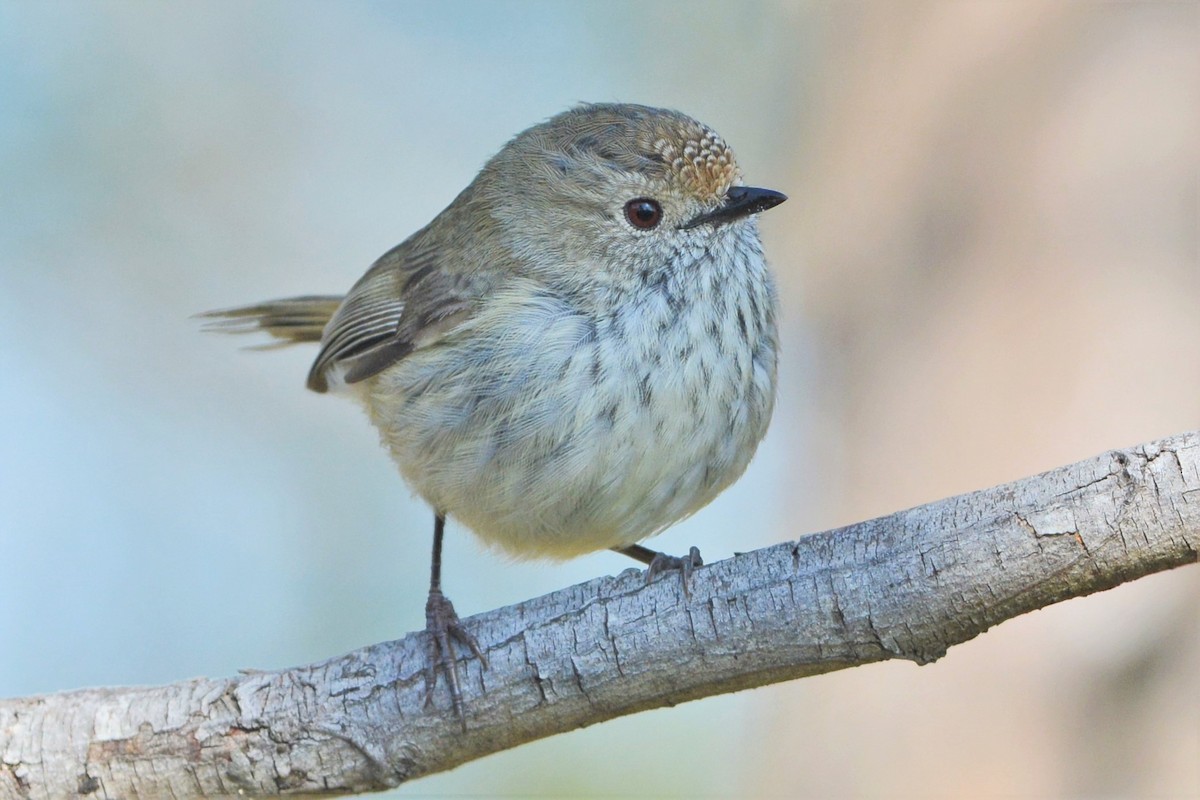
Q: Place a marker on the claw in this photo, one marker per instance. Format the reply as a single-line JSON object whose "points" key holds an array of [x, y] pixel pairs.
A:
{"points": [[442, 623], [686, 565]]}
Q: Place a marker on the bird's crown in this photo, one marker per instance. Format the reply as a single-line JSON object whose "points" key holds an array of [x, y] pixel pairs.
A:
{"points": [[658, 142]]}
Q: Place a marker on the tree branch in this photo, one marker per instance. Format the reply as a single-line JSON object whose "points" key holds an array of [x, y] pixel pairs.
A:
{"points": [[908, 586]]}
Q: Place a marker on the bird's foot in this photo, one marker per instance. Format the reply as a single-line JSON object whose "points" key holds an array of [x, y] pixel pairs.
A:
{"points": [[686, 565], [661, 562], [442, 623]]}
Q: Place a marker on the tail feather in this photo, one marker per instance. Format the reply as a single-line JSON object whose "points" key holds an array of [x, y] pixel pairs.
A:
{"points": [[291, 321]]}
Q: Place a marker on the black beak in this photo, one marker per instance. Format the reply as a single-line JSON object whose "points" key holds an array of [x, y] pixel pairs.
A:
{"points": [[740, 201]]}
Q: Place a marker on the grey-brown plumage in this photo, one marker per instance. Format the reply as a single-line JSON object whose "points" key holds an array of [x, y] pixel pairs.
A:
{"points": [[579, 351]]}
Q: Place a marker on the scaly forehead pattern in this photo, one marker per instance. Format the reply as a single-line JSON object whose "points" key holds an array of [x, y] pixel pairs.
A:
{"points": [[659, 143], [700, 159]]}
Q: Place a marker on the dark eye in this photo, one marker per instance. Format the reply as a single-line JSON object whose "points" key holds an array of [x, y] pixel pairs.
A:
{"points": [[643, 213]]}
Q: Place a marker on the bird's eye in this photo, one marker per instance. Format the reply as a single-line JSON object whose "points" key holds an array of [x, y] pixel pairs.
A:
{"points": [[643, 213]]}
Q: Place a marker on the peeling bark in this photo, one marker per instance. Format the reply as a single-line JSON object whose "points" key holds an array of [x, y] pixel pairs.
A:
{"points": [[908, 586]]}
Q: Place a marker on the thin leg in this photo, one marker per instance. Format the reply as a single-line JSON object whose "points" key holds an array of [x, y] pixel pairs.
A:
{"points": [[441, 621], [639, 553], [435, 563], [661, 562]]}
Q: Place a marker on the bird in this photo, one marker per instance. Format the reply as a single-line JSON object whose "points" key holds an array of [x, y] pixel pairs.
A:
{"points": [[576, 353]]}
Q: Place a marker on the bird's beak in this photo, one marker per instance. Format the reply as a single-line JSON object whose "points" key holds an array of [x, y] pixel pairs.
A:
{"points": [[740, 201]]}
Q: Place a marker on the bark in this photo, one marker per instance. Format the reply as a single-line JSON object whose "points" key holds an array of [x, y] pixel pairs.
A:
{"points": [[907, 586]]}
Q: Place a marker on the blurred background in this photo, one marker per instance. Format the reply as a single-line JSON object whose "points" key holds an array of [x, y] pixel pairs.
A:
{"points": [[988, 267]]}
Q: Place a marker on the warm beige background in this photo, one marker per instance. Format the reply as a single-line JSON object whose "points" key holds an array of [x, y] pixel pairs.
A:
{"points": [[998, 216], [989, 266]]}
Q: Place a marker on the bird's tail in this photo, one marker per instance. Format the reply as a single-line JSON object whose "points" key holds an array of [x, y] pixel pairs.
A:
{"points": [[291, 321]]}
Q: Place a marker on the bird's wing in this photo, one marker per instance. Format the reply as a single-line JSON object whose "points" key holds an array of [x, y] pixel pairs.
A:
{"points": [[406, 300]]}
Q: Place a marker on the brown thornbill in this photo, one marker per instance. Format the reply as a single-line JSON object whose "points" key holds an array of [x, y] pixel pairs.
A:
{"points": [[579, 351]]}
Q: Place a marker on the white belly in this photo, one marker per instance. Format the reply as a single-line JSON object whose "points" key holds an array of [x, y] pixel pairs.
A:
{"points": [[551, 432]]}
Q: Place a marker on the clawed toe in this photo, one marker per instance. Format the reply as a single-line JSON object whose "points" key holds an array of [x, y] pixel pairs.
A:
{"points": [[686, 565], [443, 625]]}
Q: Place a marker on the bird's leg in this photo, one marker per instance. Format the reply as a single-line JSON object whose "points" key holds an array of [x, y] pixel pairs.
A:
{"points": [[661, 562], [442, 623]]}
